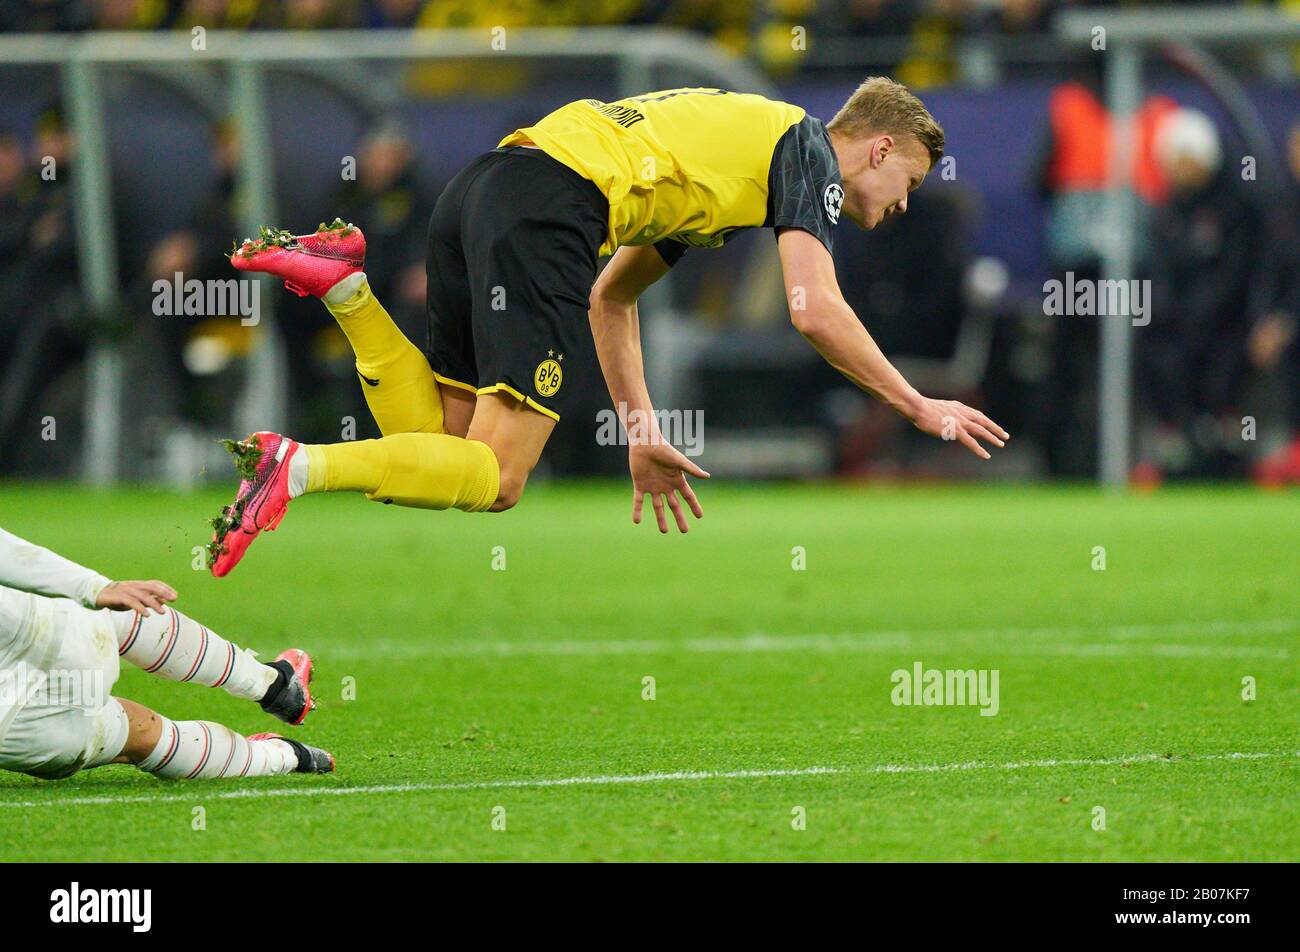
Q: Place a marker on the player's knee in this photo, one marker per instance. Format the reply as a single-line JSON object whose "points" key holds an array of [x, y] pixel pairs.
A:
{"points": [[144, 729]]}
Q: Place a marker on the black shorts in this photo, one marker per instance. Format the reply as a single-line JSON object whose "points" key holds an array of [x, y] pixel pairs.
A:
{"points": [[513, 246]]}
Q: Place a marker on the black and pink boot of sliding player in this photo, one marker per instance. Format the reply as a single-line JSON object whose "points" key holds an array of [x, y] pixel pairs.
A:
{"points": [[310, 759], [289, 698]]}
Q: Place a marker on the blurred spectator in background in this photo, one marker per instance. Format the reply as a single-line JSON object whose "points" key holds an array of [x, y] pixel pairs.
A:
{"points": [[1021, 16], [389, 14], [196, 351], [1192, 357], [52, 239], [44, 16], [867, 18], [128, 14], [1073, 175], [38, 336], [17, 209], [385, 198], [17, 203], [929, 60], [728, 22], [1274, 344], [215, 14], [315, 14]]}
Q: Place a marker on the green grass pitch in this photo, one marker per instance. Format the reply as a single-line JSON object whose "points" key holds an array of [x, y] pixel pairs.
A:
{"points": [[516, 695]]}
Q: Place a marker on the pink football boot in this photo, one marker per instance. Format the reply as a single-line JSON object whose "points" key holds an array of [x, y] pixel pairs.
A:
{"points": [[309, 264], [263, 464]]}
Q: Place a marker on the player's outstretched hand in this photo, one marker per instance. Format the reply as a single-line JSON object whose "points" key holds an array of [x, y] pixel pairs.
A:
{"points": [[950, 420], [659, 471], [136, 596]]}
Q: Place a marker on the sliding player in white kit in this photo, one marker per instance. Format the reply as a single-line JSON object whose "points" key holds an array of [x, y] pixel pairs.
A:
{"points": [[59, 660]]}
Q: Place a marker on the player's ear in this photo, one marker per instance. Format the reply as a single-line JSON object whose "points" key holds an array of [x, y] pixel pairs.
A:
{"points": [[880, 148]]}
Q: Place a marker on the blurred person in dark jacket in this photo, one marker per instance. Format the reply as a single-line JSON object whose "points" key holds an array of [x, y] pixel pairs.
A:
{"points": [[52, 241], [1193, 357], [196, 251], [1274, 343], [39, 281], [386, 196], [17, 207]]}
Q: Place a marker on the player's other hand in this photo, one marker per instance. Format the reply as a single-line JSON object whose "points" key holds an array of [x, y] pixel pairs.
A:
{"points": [[136, 596], [950, 420], [659, 471]]}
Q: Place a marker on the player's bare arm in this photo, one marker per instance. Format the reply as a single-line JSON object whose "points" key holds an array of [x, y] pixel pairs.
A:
{"points": [[820, 313], [658, 470]]}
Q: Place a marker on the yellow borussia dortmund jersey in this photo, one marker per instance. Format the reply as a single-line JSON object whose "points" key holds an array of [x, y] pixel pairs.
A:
{"points": [[688, 167]]}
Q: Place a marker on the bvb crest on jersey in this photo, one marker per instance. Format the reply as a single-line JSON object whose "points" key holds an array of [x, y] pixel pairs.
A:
{"points": [[548, 376]]}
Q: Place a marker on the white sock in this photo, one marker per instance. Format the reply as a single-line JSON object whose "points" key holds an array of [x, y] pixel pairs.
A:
{"points": [[344, 289], [177, 648], [298, 471], [202, 750]]}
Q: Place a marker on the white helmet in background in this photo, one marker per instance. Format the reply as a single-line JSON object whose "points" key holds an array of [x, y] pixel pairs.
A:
{"points": [[1187, 147]]}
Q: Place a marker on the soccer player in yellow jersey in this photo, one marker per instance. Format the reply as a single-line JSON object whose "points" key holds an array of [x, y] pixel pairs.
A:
{"points": [[514, 243]]}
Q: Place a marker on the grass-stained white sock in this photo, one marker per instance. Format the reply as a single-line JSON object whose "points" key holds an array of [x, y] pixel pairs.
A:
{"points": [[176, 647], [202, 750]]}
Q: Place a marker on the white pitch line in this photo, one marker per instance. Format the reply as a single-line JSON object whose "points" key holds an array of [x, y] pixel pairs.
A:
{"points": [[257, 793], [1065, 762], [1008, 640]]}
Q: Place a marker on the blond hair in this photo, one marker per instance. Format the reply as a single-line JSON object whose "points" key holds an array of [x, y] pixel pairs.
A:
{"points": [[881, 105]]}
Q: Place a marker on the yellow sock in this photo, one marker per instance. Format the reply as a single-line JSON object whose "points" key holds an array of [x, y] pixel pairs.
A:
{"points": [[400, 388], [423, 470]]}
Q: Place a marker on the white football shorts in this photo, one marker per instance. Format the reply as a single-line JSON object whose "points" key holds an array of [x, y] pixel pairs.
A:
{"points": [[57, 713]]}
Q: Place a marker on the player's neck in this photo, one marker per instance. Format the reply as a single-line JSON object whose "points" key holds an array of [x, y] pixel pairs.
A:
{"points": [[849, 152]]}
